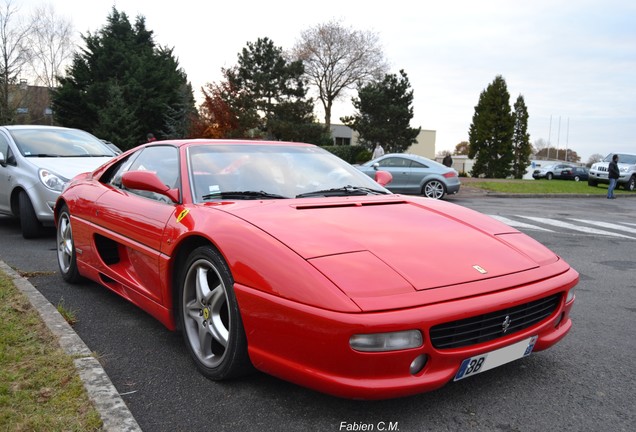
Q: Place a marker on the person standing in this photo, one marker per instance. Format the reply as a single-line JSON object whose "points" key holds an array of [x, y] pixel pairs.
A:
{"points": [[613, 175], [448, 160], [377, 151]]}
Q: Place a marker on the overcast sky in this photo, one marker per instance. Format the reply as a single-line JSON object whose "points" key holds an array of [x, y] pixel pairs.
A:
{"points": [[574, 62]]}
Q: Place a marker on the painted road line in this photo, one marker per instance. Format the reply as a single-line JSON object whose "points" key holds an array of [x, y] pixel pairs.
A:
{"points": [[607, 225], [567, 225], [517, 224]]}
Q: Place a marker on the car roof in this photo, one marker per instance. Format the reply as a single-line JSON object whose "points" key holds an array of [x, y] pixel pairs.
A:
{"points": [[414, 157], [209, 141], [43, 127]]}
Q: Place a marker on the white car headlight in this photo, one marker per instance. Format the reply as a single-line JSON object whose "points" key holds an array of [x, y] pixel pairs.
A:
{"points": [[52, 180], [393, 341]]}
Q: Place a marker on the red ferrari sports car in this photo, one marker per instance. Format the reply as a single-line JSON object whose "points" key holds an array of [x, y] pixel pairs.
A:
{"points": [[282, 257]]}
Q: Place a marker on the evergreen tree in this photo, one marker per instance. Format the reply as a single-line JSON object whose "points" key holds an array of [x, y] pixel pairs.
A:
{"points": [[121, 61], [116, 120], [267, 94], [521, 147], [384, 114], [490, 134]]}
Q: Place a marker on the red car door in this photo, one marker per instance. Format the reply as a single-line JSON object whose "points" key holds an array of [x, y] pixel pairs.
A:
{"points": [[136, 220]]}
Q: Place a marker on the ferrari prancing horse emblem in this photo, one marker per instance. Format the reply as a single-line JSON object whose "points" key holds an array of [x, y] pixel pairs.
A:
{"points": [[480, 269]]}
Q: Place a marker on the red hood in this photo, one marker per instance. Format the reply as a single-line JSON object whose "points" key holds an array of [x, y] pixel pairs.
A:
{"points": [[419, 239]]}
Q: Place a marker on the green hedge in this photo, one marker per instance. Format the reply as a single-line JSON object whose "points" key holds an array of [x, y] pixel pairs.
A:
{"points": [[349, 153]]}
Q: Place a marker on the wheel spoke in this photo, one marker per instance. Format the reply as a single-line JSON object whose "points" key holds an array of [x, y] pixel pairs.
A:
{"points": [[67, 238], [65, 243], [205, 310], [193, 309], [218, 303], [205, 342], [202, 286]]}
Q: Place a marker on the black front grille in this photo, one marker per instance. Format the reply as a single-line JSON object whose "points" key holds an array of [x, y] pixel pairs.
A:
{"points": [[491, 326]]}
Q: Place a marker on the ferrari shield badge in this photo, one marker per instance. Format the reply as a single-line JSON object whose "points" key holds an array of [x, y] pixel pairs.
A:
{"points": [[183, 214]]}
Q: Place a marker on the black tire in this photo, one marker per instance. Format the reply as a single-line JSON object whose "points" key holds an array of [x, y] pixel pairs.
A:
{"points": [[592, 183], [434, 189], [31, 226], [577, 178], [66, 255], [209, 316], [549, 176], [631, 184]]}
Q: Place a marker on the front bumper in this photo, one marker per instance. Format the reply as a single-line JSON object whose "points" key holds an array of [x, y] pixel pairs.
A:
{"points": [[601, 177], [43, 201], [310, 346]]}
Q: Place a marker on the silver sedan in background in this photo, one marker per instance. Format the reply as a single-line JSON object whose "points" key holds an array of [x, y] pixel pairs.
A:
{"points": [[414, 175], [36, 162]]}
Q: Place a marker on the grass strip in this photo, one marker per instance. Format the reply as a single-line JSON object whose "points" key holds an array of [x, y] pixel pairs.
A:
{"points": [[40, 388]]}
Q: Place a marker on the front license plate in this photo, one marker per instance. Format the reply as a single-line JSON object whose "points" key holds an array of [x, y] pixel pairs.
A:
{"points": [[483, 362]]}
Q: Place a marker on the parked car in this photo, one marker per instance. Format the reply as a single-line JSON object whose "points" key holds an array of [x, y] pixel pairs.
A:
{"points": [[626, 165], [284, 258], [415, 175], [552, 171], [575, 173], [112, 146], [35, 163]]}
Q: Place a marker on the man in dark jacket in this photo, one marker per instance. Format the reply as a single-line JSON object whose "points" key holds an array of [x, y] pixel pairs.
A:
{"points": [[613, 175]]}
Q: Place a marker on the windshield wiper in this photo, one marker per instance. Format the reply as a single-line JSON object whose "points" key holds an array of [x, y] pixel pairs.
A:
{"points": [[42, 155], [242, 195], [342, 191]]}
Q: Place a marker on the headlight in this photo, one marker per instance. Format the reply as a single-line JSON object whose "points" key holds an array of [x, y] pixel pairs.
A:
{"points": [[386, 341], [570, 295], [52, 180]]}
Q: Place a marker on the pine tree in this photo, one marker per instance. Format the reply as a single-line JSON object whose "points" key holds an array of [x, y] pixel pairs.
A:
{"points": [[384, 114], [521, 147], [122, 61], [491, 132], [268, 95]]}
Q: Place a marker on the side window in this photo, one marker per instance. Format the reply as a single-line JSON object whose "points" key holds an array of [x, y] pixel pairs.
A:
{"points": [[6, 151], [113, 176], [417, 165], [163, 160], [4, 146], [394, 163]]}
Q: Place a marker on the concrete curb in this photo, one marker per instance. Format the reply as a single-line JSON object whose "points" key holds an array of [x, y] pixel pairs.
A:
{"points": [[111, 407]]}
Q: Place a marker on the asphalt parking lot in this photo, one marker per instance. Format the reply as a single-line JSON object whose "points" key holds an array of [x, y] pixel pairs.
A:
{"points": [[583, 383]]}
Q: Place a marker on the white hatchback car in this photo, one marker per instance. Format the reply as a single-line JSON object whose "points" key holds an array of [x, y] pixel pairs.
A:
{"points": [[36, 162]]}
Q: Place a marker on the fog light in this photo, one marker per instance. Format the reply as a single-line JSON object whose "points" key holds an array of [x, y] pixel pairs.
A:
{"points": [[570, 296], [418, 364], [558, 321], [393, 341]]}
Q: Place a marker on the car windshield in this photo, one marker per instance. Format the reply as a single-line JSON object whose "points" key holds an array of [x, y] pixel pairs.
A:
{"points": [[58, 143], [622, 158], [271, 171]]}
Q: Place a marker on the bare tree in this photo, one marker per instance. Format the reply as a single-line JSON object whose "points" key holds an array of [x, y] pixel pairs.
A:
{"points": [[51, 43], [13, 54], [596, 157], [539, 145], [461, 148], [337, 58]]}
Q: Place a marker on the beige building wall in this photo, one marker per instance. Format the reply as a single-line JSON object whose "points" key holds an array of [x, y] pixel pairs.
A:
{"points": [[425, 145]]}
